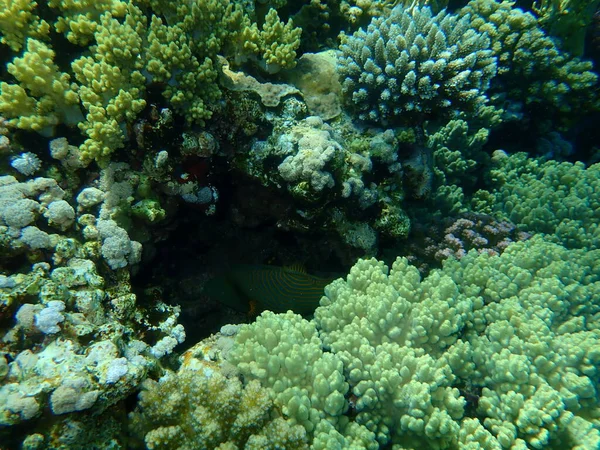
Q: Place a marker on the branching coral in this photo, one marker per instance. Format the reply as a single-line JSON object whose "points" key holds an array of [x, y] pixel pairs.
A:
{"points": [[131, 45], [567, 20], [411, 65], [531, 69], [79, 19], [18, 21], [43, 97], [198, 407]]}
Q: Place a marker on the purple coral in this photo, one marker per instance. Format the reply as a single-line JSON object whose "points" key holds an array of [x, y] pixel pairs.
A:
{"points": [[457, 235]]}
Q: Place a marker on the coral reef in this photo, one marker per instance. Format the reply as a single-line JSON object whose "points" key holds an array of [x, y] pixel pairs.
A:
{"points": [[155, 152]]}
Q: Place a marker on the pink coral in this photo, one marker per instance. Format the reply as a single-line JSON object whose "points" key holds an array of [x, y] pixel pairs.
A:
{"points": [[457, 235]]}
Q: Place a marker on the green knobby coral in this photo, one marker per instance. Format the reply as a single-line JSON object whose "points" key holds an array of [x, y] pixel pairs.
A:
{"points": [[283, 352], [561, 200], [489, 352], [412, 65]]}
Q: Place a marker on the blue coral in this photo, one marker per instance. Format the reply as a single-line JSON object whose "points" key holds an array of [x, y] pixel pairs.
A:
{"points": [[412, 65]]}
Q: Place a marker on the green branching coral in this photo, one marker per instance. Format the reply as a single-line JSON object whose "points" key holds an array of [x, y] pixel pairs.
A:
{"points": [[278, 43], [411, 65], [567, 20], [531, 69], [458, 157]]}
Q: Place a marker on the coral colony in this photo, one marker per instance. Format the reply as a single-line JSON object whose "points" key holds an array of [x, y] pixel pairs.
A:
{"points": [[307, 224]]}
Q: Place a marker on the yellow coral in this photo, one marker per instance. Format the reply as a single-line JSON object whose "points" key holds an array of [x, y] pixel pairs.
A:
{"points": [[112, 87], [171, 55], [198, 407], [81, 18], [181, 53], [274, 47], [279, 42], [104, 135], [43, 97], [18, 22]]}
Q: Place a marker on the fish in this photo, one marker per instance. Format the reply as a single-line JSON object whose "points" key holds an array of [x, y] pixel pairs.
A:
{"points": [[255, 288]]}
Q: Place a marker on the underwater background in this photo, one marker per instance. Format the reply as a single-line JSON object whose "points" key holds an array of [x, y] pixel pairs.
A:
{"points": [[307, 224]]}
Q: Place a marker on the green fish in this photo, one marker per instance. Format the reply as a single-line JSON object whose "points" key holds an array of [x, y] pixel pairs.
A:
{"points": [[252, 289]]}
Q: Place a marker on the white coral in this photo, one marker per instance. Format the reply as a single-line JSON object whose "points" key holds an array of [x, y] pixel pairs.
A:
{"points": [[26, 163]]}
